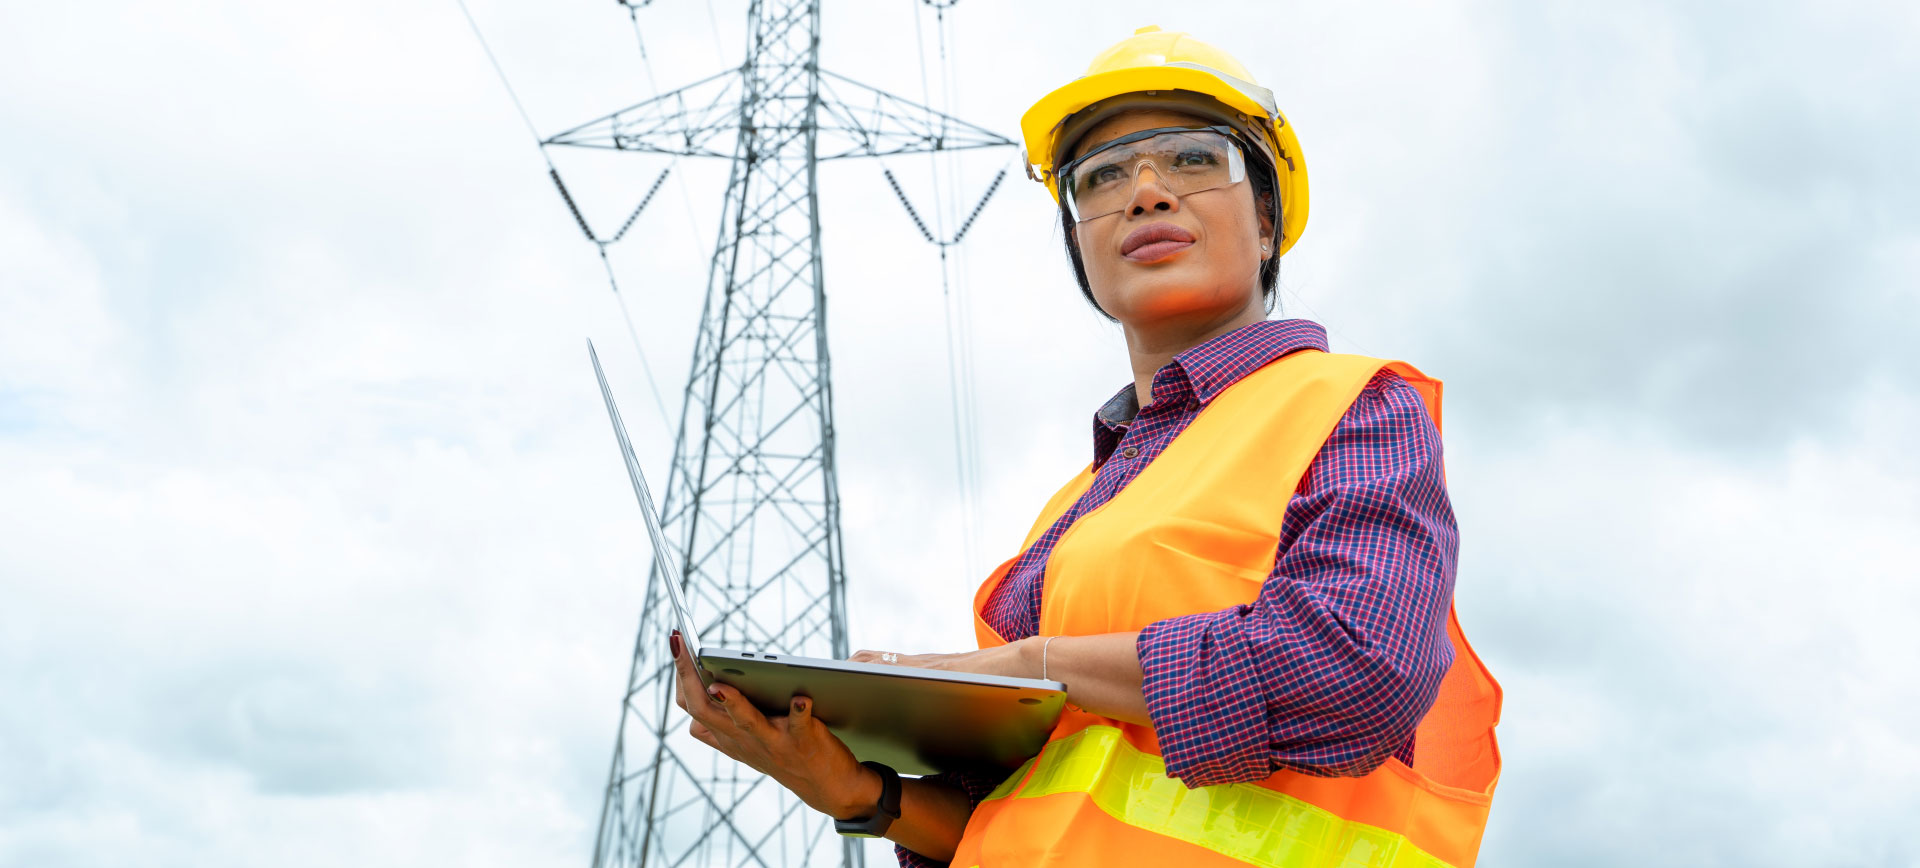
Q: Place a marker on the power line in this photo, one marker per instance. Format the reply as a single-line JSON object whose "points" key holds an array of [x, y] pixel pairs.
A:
{"points": [[752, 494], [553, 172], [653, 83], [957, 319], [502, 73]]}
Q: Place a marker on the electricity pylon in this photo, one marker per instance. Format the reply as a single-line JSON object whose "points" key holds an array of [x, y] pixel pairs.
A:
{"points": [[751, 497]]}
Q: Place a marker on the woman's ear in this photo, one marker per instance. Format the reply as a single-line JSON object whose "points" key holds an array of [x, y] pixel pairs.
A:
{"points": [[1266, 210]]}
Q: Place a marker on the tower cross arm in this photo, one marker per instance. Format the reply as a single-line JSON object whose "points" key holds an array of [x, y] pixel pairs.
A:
{"points": [[853, 119], [698, 120], [859, 120]]}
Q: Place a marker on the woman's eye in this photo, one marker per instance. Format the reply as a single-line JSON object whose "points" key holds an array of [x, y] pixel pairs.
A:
{"points": [[1195, 158], [1100, 176]]}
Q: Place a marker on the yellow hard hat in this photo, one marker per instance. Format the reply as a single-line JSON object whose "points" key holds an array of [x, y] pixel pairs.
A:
{"points": [[1153, 66]]}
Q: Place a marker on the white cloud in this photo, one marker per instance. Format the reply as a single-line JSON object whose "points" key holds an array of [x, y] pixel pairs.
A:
{"points": [[313, 549], [1693, 643], [56, 335]]}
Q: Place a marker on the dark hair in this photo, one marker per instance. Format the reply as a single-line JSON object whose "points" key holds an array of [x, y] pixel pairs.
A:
{"points": [[1260, 174]]}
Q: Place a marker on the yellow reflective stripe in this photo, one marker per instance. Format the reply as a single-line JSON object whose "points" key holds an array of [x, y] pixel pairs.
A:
{"points": [[1013, 780], [1246, 822]]}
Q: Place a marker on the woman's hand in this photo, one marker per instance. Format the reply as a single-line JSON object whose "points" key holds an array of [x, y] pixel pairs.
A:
{"points": [[1015, 660], [794, 749]]}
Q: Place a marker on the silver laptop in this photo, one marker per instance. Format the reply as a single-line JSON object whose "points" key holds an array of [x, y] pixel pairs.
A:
{"points": [[919, 721]]}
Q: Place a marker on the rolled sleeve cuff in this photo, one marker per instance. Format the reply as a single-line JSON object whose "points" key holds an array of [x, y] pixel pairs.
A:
{"points": [[1205, 699]]}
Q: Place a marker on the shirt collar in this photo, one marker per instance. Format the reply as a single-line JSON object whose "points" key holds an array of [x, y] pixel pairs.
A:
{"points": [[1223, 360], [1209, 367], [1119, 410]]}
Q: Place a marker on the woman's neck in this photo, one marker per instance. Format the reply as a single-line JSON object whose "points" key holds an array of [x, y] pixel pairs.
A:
{"points": [[1151, 346]]}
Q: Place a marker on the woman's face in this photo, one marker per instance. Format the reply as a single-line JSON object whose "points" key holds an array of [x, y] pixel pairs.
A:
{"points": [[1215, 275]]}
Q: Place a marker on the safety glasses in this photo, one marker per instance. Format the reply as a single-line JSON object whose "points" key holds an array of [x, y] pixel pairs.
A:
{"points": [[1185, 160]]}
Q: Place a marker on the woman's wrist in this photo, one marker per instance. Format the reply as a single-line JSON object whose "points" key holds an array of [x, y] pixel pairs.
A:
{"points": [[1032, 652], [859, 796]]}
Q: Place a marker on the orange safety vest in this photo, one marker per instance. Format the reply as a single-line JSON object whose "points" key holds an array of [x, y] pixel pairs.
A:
{"points": [[1196, 532]]}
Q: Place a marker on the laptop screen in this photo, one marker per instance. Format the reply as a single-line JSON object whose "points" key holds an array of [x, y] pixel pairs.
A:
{"points": [[662, 551]]}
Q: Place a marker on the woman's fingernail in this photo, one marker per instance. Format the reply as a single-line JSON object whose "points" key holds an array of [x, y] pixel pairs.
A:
{"points": [[673, 642], [715, 693], [800, 705]]}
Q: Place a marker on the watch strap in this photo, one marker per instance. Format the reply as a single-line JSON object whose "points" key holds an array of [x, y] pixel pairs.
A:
{"points": [[885, 811]]}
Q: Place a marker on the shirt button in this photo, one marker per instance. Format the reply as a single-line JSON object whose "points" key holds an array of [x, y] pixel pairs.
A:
{"points": [[1129, 452]]}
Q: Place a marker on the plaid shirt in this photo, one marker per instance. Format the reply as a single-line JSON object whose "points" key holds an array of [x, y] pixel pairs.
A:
{"points": [[1331, 668]]}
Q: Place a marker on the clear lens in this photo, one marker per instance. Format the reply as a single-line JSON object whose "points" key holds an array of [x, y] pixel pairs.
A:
{"points": [[1184, 161]]}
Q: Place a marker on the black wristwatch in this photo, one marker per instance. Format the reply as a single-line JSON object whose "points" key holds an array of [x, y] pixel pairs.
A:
{"points": [[887, 811]]}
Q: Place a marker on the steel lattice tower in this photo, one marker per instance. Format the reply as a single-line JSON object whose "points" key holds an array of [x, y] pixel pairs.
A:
{"points": [[751, 497]]}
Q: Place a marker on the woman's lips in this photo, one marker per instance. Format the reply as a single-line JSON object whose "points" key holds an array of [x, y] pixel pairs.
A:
{"points": [[1155, 241], [1157, 250]]}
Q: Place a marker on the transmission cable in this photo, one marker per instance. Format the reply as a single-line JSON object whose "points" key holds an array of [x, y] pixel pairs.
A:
{"points": [[964, 299], [956, 320], [646, 65], [553, 172]]}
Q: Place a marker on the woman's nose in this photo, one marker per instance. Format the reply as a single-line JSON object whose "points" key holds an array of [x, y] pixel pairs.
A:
{"points": [[1150, 192]]}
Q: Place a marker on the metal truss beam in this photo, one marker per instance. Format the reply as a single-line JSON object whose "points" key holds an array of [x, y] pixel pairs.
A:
{"points": [[752, 497]]}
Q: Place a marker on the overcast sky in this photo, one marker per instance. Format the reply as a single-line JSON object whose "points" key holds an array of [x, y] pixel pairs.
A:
{"points": [[314, 549]]}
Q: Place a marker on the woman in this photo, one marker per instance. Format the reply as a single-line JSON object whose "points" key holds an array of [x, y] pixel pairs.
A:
{"points": [[1248, 593]]}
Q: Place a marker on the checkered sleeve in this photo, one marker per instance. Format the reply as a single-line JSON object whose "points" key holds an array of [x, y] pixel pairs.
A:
{"points": [[975, 784], [1329, 671]]}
